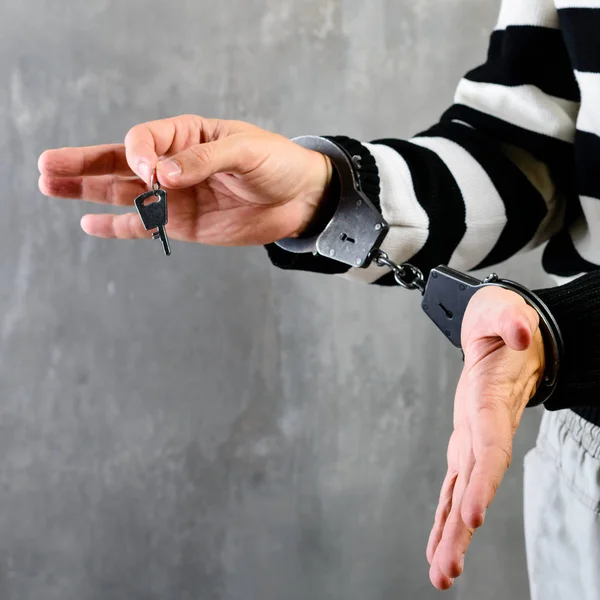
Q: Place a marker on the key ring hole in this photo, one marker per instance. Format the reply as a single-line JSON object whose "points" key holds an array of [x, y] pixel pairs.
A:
{"points": [[155, 199]]}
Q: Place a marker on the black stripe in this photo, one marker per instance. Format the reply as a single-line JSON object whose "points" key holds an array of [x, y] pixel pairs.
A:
{"points": [[587, 163], [314, 263], [441, 198], [558, 155], [580, 28], [561, 258], [524, 205], [521, 55]]}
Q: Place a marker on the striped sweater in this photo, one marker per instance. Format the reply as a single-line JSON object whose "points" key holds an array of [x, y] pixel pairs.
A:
{"points": [[513, 164]]}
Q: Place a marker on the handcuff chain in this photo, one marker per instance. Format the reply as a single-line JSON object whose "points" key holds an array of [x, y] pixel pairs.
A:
{"points": [[406, 275]]}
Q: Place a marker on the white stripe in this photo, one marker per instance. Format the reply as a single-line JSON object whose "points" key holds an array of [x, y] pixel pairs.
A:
{"points": [[577, 3], [525, 106], [527, 12], [539, 176], [589, 115], [408, 221], [485, 212], [551, 224], [585, 232]]}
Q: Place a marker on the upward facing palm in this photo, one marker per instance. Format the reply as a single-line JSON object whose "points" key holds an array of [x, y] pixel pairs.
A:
{"points": [[504, 362]]}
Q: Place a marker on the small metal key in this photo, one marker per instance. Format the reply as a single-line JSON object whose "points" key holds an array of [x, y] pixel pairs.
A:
{"points": [[154, 213]]}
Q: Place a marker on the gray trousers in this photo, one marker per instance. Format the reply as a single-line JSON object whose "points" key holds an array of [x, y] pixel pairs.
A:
{"points": [[562, 509]]}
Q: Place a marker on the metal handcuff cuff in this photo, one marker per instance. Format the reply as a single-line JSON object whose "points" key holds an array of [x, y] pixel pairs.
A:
{"points": [[354, 236]]}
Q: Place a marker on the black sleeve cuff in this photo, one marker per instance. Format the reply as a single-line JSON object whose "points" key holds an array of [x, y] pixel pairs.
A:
{"points": [[368, 174], [576, 308]]}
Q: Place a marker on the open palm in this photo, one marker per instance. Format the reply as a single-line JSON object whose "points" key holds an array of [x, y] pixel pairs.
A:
{"points": [[504, 361]]}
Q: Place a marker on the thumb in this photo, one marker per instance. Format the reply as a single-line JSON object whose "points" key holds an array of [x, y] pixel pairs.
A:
{"points": [[498, 312], [146, 142], [196, 163]]}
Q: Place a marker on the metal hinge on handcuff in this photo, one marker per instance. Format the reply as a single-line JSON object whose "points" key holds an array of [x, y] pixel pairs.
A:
{"points": [[354, 237]]}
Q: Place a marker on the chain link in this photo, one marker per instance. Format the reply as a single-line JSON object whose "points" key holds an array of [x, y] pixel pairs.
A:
{"points": [[406, 275]]}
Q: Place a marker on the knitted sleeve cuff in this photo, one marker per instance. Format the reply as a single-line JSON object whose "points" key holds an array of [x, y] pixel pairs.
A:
{"points": [[576, 307]]}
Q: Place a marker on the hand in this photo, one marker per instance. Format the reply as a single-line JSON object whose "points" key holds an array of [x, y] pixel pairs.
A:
{"points": [[229, 183], [504, 362]]}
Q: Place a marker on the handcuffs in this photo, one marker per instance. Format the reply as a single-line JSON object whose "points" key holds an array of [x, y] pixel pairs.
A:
{"points": [[354, 236]]}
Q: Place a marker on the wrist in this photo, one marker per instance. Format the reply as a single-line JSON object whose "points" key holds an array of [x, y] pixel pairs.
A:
{"points": [[318, 204], [345, 214], [538, 364]]}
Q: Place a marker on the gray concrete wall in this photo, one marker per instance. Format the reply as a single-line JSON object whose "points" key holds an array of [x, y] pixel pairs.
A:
{"points": [[206, 427]]}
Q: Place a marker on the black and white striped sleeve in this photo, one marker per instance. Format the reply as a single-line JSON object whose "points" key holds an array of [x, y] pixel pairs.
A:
{"points": [[576, 249], [490, 179]]}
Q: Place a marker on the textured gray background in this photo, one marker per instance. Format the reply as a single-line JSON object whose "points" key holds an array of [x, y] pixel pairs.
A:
{"points": [[206, 427]]}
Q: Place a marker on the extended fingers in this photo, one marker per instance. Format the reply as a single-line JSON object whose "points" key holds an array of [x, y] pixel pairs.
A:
{"points": [[105, 189], [449, 556], [492, 431], [107, 159], [485, 480], [441, 514], [456, 536], [121, 227], [448, 561], [438, 578], [144, 144]]}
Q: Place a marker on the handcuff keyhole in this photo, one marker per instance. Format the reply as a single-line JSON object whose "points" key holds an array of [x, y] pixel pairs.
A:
{"points": [[345, 238], [447, 312]]}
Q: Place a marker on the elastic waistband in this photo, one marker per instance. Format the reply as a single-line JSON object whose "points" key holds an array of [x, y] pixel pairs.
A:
{"points": [[567, 423]]}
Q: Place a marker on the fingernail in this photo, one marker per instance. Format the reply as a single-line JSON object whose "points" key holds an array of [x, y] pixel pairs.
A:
{"points": [[85, 224], [483, 516], [171, 168], [462, 562], [144, 170]]}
